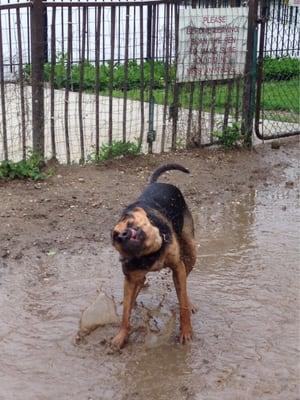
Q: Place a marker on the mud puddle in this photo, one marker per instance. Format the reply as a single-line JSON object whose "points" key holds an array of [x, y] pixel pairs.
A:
{"points": [[246, 330]]}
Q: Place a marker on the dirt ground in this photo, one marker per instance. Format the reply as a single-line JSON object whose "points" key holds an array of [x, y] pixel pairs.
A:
{"points": [[55, 254]]}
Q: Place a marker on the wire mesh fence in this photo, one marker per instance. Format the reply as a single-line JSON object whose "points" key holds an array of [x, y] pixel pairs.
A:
{"points": [[278, 91], [156, 74]]}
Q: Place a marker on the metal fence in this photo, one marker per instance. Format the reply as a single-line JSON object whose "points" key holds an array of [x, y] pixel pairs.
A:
{"points": [[277, 99], [75, 76]]}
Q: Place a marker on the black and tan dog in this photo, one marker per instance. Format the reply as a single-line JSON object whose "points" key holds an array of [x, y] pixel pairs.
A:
{"points": [[154, 232]]}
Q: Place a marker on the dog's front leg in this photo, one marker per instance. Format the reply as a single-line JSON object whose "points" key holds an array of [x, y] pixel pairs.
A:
{"points": [[179, 277], [131, 290]]}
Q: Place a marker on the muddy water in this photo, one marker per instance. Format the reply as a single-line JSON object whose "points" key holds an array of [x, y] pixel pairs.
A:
{"points": [[246, 331]]}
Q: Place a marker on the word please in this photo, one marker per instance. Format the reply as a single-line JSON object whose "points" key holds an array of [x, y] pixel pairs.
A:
{"points": [[214, 20]]}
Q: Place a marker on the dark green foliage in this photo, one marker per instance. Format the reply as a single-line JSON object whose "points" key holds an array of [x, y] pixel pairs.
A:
{"points": [[279, 69], [230, 136], [115, 150], [134, 73], [24, 169]]}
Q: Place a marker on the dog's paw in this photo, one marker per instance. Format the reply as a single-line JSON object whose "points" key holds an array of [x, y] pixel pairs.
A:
{"points": [[193, 309], [120, 339], [186, 335]]}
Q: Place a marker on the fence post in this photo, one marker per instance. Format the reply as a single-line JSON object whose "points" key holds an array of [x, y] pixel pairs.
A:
{"points": [[37, 61], [250, 75]]}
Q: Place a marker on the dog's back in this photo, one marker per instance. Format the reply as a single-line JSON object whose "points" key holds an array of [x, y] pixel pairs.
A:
{"points": [[165, 198]]}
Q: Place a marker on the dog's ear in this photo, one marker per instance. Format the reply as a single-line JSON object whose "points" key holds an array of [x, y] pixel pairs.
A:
{"points": [[153, 240]]}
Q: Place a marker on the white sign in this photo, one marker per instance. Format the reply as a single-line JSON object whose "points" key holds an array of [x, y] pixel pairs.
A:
{"points": [[294, 3], [212, 43]]}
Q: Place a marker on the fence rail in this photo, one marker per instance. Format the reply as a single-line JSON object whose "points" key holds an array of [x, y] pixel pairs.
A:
{"points": [[76, 76]]}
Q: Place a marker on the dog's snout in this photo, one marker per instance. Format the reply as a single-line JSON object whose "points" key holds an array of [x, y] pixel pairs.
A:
{"points": [[124, 235]]}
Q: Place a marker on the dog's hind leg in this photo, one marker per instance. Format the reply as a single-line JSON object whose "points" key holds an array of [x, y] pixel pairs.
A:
{"points": [[187, 243], [179, 278], [188, 252]]}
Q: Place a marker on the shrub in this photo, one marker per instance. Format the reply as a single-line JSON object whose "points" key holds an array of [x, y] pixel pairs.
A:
{"points": [[229, 136], [24, 169], [281, 68], [115, 150]]}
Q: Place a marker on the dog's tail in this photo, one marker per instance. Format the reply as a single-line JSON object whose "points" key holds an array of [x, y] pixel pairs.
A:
{"points": [[167, 167]]}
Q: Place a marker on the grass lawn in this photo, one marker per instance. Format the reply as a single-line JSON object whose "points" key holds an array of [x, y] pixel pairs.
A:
{"points": [[276, 96]]}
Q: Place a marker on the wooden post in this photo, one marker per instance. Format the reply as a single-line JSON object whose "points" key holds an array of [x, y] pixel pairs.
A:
{"points": [[250, 75], [37, 60]]}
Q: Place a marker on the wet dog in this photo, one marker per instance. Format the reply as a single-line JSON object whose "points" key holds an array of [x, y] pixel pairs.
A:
{"points": [[155, 232]]}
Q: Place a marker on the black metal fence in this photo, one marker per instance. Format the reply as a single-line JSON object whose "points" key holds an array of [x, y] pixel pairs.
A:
{"points": [[77, 76], [277, 97]]}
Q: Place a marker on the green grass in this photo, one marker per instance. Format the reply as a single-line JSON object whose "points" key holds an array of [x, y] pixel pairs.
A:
{"points": [[277, 95], [281, 95]]}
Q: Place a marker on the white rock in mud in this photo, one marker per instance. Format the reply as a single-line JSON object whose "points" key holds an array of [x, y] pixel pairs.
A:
{"points": [[101, 312]]}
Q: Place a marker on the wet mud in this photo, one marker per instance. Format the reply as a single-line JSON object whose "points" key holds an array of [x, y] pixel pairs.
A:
{"points": [[55, 258]]}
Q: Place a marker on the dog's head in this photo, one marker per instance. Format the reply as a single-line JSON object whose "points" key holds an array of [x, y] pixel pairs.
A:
{"points": [[135, 235]]}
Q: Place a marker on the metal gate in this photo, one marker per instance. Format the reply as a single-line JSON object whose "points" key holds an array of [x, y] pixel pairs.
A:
{"points": [[277, 96]]}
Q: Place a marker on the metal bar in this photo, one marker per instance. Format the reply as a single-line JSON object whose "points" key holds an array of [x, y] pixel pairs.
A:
{"points": [[2, 86], [151, 133], [295, 29], [167, 77], [16, 5], [97, 71], [149, 34], [250, 72], [237, 102], [79, 31], [21, 84], [156, 34], [81, 77], [289, 31], [37, 57], [111, 74], [227, 105], [279, 7], [45, 34], [260, 61], [67, 88], [190, 116], [9, 40], [28, 35], [87, 36], [142, 87], [107, 3], [52, 83], [125, 88], [103, 38], [199, 133], [119, 34], [62, 31], [272, 27], [176, 86], [134, 32], [212, 110]]}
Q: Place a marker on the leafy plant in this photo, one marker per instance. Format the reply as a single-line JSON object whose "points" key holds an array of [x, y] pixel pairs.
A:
{"points": [[115, 150], [24, 169], [229, 136], [283, 68]]}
